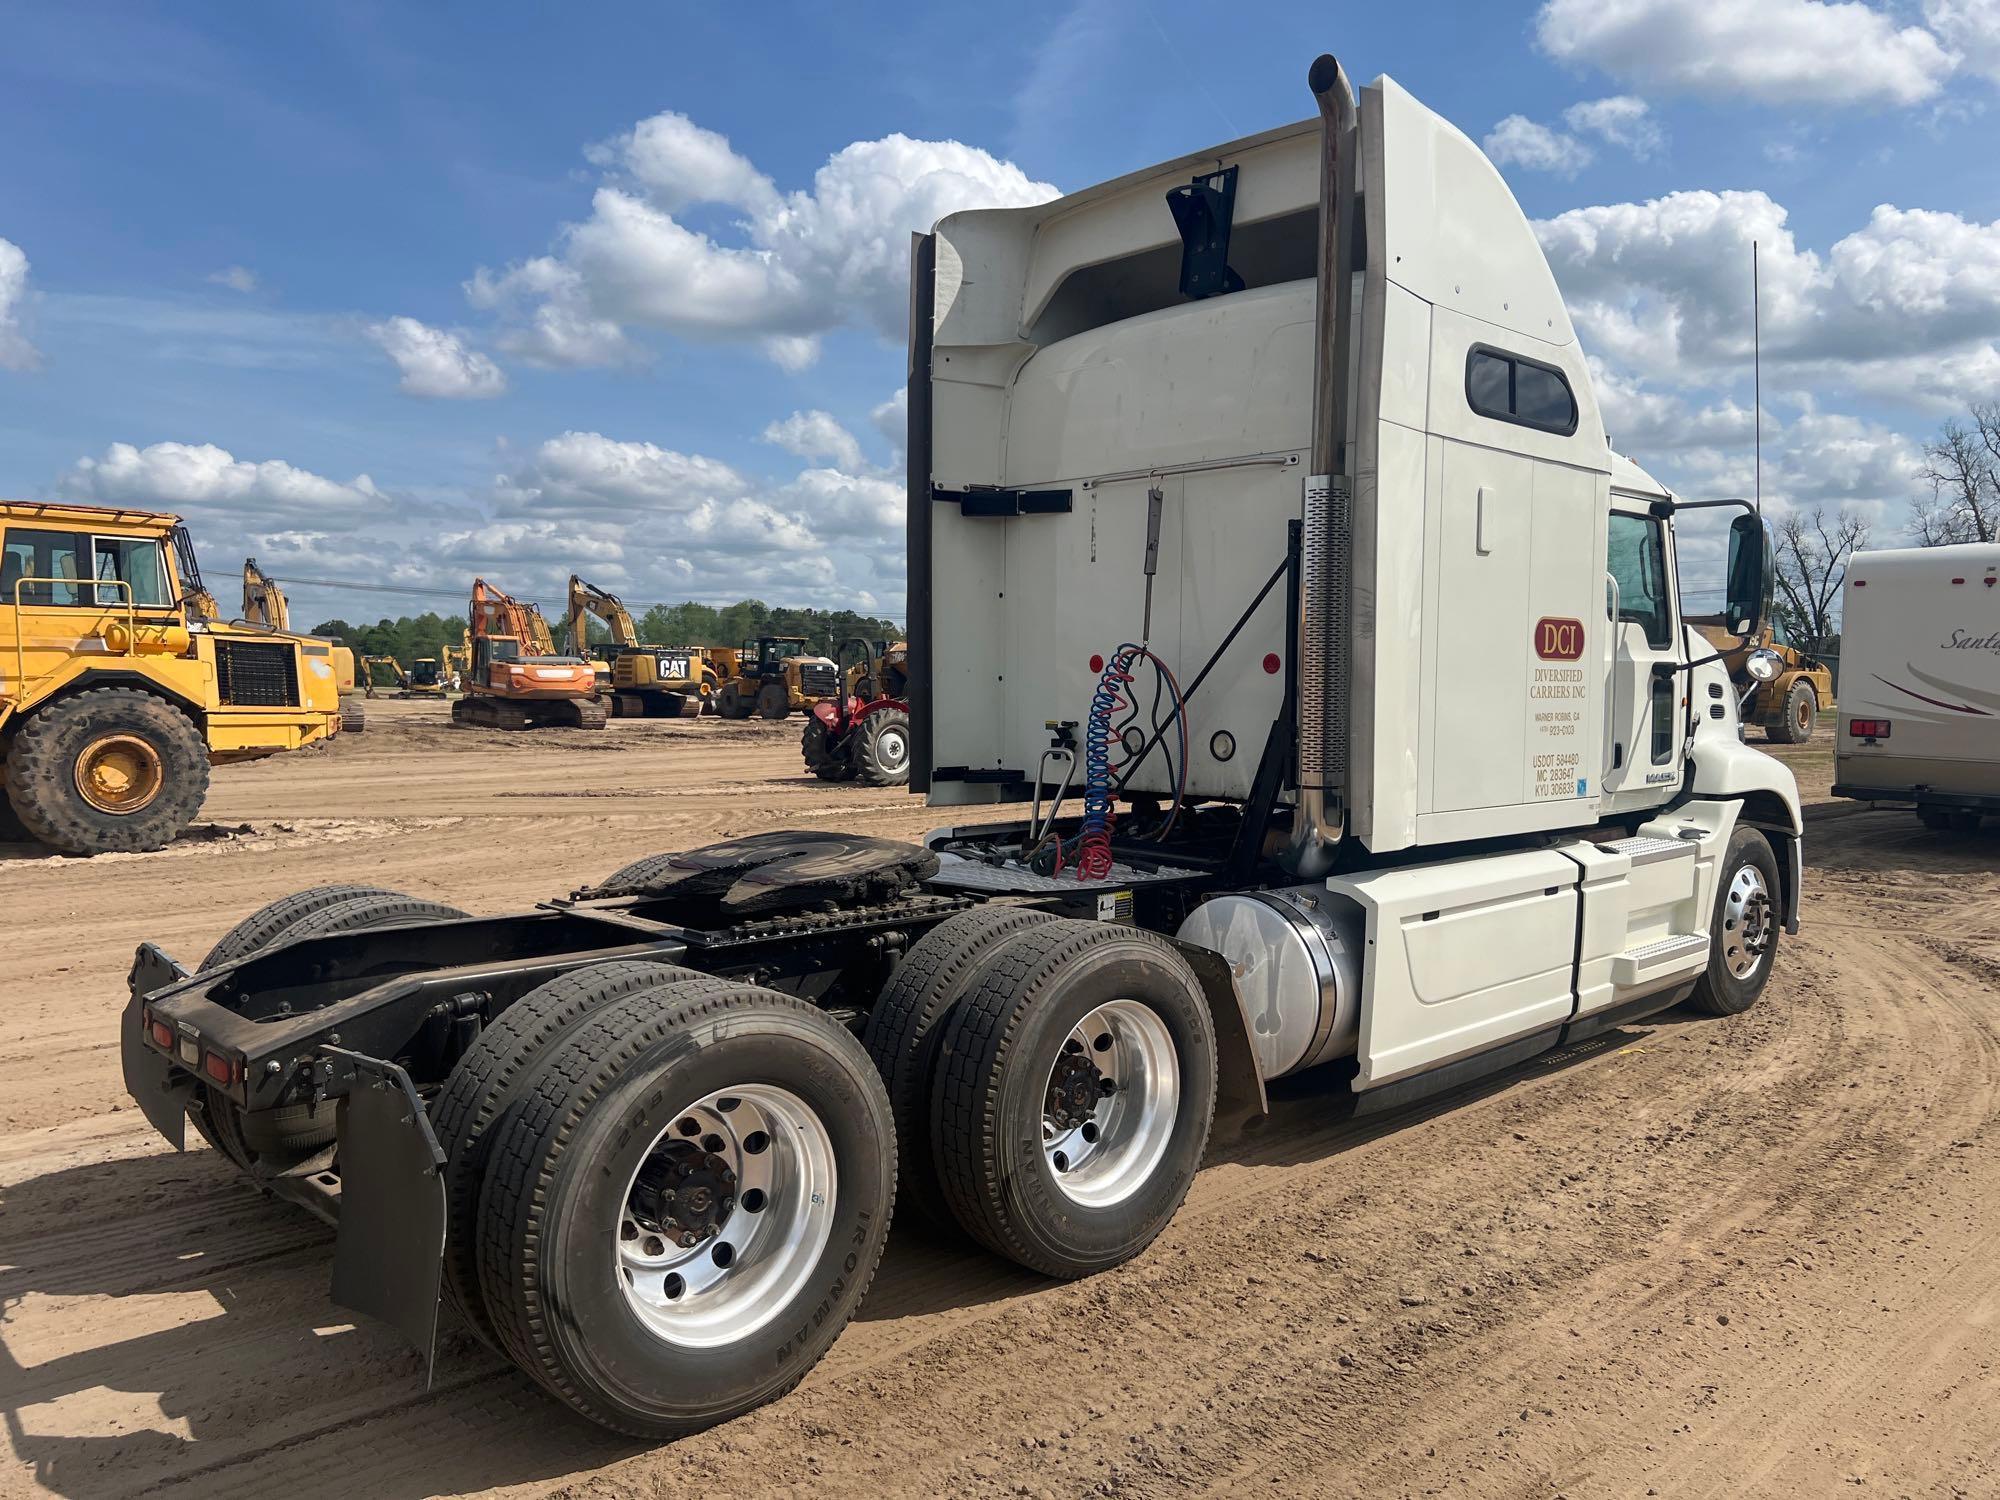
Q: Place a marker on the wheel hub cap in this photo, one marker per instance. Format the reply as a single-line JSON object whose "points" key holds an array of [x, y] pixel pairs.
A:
{"points": [[119, 773], [1747, 922], [726, 1216], [1112, 1101]]}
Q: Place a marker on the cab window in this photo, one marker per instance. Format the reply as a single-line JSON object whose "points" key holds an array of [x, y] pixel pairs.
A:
{"points": [[135, 562], [48, 556], [1638, 561]]}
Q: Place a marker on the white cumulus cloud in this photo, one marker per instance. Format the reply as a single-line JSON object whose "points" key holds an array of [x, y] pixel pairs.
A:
{"points": [[16, 353], [1622, 120], [816, 435], [1831, 52], [1518, 141], [236, 278], [435, 362], [1972, 29], [793, 267], [203, 477]]}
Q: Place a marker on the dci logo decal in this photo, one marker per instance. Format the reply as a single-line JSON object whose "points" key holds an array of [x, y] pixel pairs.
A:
{"points": [[1558, 640]]}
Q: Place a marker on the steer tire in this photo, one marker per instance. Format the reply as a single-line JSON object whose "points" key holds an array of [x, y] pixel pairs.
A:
{"points": [[882, 748], [992, 1095], [563, 1163], [1721, 991], [493, 1072], [45, 772], [1794, 724], [906, 1027]]}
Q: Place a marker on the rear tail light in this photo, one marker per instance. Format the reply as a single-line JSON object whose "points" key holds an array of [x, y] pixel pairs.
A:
{"points": [[161, 1033], [1868, 729], [221, 1069]]}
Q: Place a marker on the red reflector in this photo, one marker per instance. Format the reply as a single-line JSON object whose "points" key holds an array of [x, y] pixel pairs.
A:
{"points": [[1861, 583], [1271, 664], [218, 1067], [1868, 729], [1958, 580], [163, 1034], [1096, 662]]}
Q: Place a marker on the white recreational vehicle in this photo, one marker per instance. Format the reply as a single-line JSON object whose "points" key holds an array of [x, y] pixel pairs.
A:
{"points": [[1920, 682]]}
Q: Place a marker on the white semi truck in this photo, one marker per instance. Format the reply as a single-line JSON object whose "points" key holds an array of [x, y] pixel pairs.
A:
{"points": [[1920, 682], [1267, 552]]}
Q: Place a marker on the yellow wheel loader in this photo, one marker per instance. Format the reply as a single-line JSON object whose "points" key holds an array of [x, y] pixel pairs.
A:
{"points": [[774, 676], [118, 688]]}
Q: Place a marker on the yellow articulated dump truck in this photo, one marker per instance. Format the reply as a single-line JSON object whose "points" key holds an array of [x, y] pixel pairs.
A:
{"points": [[117, 693]]}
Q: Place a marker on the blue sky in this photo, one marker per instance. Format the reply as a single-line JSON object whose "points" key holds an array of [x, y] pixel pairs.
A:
{"points": [[227, 212]]}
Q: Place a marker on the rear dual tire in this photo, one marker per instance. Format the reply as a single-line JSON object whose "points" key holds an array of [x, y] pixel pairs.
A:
{"points": [[587, 1285]]}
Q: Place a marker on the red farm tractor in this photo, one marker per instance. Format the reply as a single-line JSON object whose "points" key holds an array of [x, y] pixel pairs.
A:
{"points": [[864, 734]]}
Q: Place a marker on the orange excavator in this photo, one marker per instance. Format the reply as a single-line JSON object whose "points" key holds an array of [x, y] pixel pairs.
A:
{"points": [[516, 680]]}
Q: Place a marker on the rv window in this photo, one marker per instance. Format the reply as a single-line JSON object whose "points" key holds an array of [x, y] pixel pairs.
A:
{"points": [[1638, 561], [1513, 388]]}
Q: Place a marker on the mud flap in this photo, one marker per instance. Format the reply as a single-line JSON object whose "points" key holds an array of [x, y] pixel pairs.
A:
{"points": [[157, 1086], [388, 1259]]}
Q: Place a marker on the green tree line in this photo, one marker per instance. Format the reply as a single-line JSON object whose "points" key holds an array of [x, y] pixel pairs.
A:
{"points": [[407, 638]]}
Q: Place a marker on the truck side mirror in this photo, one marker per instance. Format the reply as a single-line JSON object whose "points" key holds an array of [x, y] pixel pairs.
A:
{"points": [[1750, 576]]}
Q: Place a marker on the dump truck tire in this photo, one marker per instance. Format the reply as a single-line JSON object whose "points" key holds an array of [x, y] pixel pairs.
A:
{"points": [[1073, 1096], [1801, 714], [750, 1293], [906, 1028], [1743, 941], [882, 748], [11, 830], [772, 701], [107, 770], [353, 717], [485, 1082]]}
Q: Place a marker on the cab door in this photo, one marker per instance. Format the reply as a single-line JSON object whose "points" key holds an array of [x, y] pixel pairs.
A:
{"points": [[1642, 763]]}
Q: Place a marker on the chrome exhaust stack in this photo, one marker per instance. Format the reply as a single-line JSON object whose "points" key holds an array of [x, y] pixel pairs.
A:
{"points": [[1324, 646]]}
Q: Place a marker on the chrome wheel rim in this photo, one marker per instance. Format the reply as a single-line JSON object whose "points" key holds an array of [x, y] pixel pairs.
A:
{"points": [[1747, 926], [726, 1216], [1110, 1103]]}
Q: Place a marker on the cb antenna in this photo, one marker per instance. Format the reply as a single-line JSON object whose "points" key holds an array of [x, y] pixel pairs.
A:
{"points": [[1757, 374]]}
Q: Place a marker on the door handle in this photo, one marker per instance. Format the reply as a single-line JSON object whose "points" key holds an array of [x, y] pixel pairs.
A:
{"points": [[1479, 542]]}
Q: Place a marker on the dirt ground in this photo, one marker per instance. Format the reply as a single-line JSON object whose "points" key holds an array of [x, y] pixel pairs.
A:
{"points": [[1695, 1258]]}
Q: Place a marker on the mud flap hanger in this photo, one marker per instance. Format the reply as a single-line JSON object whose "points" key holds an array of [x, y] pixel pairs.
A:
{"points": [[388, 1259]]}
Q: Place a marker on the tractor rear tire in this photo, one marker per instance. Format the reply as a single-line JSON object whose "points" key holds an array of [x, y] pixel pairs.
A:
{"points": [[1794, 726], [772, 701], [882, 748], [907, 1026], [655, 1316], [107, 770], [491, 1075], [1085, 1038]]}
